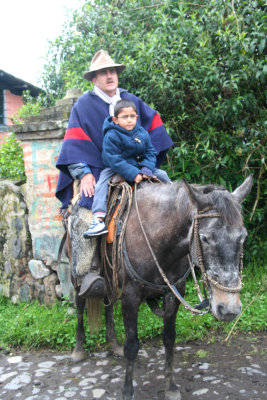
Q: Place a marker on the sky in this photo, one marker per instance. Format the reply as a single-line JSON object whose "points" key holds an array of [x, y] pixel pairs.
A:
{"points": [[25, 28]]}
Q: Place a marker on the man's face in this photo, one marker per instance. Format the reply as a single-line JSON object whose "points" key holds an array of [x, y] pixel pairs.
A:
{"points": [[107, 80]]}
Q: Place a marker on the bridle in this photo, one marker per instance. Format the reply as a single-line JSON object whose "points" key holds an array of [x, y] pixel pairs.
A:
{"points": [[195, 237]]}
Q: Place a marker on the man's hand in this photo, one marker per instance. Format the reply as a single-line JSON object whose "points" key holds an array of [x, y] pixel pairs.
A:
{"points": [[138, 178], [87, 186]]}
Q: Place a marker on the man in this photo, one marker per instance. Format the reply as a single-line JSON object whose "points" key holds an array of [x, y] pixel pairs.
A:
{"points": [[80, 155]]}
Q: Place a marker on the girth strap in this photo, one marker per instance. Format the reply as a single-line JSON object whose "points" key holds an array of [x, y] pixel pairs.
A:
{"points": [[142, 282]]}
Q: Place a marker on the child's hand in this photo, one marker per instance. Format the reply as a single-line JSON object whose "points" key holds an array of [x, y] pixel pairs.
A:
{"points": [[146, 176], [138, 178]]}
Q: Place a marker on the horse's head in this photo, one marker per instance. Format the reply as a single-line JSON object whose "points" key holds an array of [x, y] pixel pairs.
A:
{"points": [[217, 238]]}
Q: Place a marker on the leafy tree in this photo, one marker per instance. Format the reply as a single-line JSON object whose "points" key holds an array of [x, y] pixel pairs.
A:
{"points": [[200, 64]]}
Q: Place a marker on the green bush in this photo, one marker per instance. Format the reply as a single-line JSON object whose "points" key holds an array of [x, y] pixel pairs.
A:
{"points": [[11, 159]]}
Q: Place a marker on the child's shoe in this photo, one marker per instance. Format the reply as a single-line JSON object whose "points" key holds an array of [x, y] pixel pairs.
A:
{"points": [[96, 228]]}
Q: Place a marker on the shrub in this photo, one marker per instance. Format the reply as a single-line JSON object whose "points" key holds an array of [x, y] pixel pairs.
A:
{"points": [[11, 159]]}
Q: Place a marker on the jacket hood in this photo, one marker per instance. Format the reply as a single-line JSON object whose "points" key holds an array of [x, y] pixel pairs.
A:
{"points": [[109, 124]]}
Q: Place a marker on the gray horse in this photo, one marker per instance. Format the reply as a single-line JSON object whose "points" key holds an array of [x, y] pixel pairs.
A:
{"points": [[178, 220]]}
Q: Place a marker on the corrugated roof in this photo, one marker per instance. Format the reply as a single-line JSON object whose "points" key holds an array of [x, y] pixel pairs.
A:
{"points": [[17, 85]]}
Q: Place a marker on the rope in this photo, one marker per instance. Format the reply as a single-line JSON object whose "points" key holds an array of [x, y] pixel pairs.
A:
{"points": [[172, 287]]}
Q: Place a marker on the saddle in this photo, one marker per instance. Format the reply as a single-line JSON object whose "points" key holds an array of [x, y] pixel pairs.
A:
{"points": [[115, 210]]}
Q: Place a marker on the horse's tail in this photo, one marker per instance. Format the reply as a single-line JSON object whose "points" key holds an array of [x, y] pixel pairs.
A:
{"points": [[94, 313]]}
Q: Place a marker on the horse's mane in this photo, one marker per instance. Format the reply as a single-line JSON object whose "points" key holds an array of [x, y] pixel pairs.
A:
{"points": [[175, 195], [223, 201]]}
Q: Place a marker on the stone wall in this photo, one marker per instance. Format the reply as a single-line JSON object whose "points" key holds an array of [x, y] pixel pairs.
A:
{"points": [[41, 137], [16, 281]]}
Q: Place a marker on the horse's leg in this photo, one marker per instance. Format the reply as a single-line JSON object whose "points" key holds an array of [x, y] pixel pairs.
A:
{"points": [[110, 332], [78, 353], [172, 391], [131, 346]]}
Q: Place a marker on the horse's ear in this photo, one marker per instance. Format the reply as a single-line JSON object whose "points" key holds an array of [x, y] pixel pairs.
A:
{"points": [[244, 189], [199, 199]]}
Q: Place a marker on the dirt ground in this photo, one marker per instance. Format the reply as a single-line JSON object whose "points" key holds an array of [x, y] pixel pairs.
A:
{"points": [[206, 371]]}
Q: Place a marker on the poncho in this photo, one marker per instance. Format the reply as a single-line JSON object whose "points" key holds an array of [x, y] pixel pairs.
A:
{"points": [[83, 139]]}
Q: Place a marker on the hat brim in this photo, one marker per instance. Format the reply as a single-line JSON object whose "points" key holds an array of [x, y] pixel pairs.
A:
{"points": [[89, 74]]}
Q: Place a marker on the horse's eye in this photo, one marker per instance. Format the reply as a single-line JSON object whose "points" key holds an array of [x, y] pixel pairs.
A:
{"points": [[204, 238]]}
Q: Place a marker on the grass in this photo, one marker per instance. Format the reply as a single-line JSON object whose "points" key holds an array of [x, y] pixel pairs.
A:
{"points": [[37, 326]]}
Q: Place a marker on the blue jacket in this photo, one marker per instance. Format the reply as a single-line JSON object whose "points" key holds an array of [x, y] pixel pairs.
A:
{"points": [[126, 152]]}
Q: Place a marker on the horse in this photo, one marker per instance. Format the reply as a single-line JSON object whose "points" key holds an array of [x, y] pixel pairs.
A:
{"points": [[171, 227]]}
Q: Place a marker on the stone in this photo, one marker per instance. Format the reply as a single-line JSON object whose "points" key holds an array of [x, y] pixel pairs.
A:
{"points": [[38, 269], [98, 393], [200, 392], [58, 291], [7, 267], [18, 382], [50, 295], [14, 360], [63, 273]]}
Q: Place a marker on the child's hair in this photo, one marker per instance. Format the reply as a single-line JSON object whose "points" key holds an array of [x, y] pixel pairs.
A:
{"points": [[123, 104]]}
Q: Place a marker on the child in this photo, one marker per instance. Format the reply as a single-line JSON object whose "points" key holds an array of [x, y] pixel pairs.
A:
{"points": [[127, 151]]}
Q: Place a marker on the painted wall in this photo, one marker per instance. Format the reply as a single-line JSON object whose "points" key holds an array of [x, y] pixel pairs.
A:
{"points": [[44, 219]]}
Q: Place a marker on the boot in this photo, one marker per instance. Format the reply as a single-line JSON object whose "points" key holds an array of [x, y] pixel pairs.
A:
{"points": [[93, 285]]}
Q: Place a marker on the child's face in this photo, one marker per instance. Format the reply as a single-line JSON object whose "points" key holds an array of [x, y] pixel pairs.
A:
{"points": [[126, 118]]}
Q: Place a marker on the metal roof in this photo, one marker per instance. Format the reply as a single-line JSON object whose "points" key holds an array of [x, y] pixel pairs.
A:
{"points": [[17, 85]]}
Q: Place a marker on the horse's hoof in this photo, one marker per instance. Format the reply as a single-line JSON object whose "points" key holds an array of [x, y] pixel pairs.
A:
{"points": [[78, 356], [127, 397], [173, 395]]}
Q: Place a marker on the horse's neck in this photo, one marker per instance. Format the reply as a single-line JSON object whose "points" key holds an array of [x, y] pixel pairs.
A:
{"points": [[170, 215], [179, 235]]}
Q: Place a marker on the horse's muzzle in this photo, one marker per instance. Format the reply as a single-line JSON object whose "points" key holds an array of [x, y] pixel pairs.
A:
{"points": [[224, 313]]}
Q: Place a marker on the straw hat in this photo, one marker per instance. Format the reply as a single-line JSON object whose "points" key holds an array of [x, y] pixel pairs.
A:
{"points": [[102, 60]]}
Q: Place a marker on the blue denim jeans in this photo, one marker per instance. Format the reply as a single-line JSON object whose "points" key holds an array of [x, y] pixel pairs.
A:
{"points": [[99, 207]]}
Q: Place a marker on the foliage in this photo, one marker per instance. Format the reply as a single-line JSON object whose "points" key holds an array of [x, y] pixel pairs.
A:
{"points": [[32, 106], [34, 325], [201, 65], [11, 159]]}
